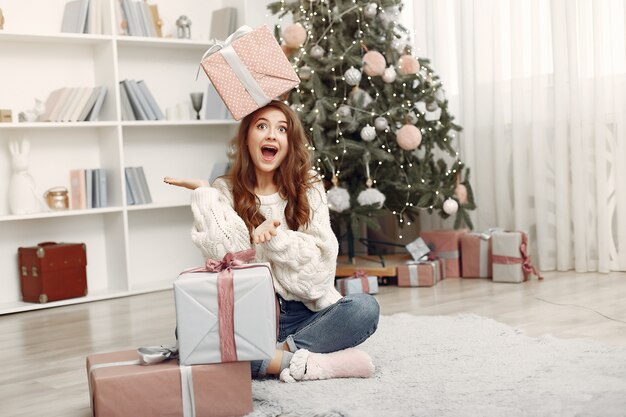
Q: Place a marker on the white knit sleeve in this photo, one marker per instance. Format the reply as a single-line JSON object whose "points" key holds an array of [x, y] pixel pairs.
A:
{"points": [[307, 258], [217, 228]]}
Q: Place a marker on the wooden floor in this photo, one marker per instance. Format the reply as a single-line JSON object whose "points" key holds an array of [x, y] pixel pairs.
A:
{"points": [[43, 352]]}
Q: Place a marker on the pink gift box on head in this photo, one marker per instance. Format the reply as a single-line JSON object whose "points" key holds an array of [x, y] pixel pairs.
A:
{"points": [[248, 70], [446, 245]]}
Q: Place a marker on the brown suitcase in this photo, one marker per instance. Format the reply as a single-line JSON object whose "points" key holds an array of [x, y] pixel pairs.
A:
{"points": [[53, 271]]}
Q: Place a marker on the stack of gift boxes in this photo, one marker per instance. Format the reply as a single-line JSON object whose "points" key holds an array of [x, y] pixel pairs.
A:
{"points": [[225, 317], [438, 254], [226, 310], [497, 254]]}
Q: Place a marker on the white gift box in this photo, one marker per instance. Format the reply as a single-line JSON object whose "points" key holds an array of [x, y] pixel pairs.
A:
{"points": [[253, 313], [510, 260], [355, 285]]}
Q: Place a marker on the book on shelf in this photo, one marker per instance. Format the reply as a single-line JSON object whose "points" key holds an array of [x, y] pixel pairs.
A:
{"points": [[223, 23], [156, 19], [91, 101], [142, 102], [75, 16], [77, 105], [141, 18], [95, 23], [52, 103], [65, 106], [137, 188], [78, 198], [127, 110], [133, 97], [152, 104], [73, 104], [94, 114], [88, 188]]}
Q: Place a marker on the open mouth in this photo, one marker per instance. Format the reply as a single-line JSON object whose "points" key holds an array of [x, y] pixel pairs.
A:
{"points": [[269, 152]]}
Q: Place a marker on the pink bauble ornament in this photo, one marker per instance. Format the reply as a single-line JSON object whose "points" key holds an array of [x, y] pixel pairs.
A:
{"points": [[374, 63], [409, 137], [294, 35], [407, 64], [461, 193]]}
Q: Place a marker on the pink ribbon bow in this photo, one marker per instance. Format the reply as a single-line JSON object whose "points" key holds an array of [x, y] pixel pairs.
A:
{"points": [[365, 283], [226, 297]]}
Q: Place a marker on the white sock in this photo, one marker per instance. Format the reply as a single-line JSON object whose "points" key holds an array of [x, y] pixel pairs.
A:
{"points": [[347, 363]]}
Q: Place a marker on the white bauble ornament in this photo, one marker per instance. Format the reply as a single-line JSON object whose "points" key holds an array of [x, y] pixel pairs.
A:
{"points": [[398, 44], [370, 10], [360, 97], [305, 72], [412, 118], [389, 15], [432, 106], [317, 52], [389, 75], [368, 133], [381, 123], [440, 95], [338, 199], [352, 76], [344, 111], [450, 206], [409, 137], [371, 196]]}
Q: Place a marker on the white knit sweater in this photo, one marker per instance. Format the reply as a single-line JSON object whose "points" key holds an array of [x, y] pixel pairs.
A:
{"points": [[303, 261]]}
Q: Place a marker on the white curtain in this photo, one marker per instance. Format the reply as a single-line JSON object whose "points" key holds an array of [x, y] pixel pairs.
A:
{"points": [[539, 87]]}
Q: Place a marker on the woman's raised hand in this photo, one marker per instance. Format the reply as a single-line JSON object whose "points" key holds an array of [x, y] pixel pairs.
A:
{"points": [[265, 231], [192, 184]]}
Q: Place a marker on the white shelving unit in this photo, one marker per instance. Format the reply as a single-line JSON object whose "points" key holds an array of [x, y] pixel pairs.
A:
{"points": [[130, 249]]}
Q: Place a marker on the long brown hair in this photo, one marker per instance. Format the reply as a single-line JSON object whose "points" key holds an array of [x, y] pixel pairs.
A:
{"points": [[292, 176]]}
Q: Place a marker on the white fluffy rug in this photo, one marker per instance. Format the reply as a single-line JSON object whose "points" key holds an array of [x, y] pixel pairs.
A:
{"points": [[461, 366]]}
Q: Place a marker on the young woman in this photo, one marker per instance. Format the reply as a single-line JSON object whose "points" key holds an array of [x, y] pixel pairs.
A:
{"points": [[272, 201]]}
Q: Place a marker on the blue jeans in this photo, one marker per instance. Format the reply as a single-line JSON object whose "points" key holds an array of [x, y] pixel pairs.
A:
{"points": [[347, 323]]}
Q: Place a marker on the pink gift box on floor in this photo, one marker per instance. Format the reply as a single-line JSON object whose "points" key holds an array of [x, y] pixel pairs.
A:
{"points": [[248, 70], [120, 387], [420, 274], [476, 255], [511, 262], [446, 245]]}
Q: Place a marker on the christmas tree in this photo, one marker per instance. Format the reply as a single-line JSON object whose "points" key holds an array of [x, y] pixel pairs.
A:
{"points": [[376, 115]]}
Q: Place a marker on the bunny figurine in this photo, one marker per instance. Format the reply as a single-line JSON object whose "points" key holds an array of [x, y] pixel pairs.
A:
{"points": [[23, 198], [32, 115]]}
